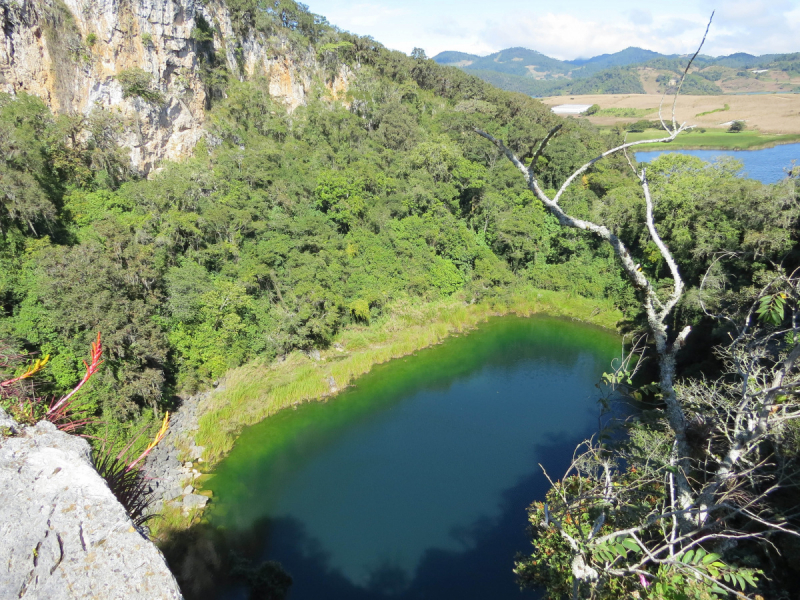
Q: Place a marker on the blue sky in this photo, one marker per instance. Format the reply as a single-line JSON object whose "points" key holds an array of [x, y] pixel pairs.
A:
{"points": [[569, 29]]}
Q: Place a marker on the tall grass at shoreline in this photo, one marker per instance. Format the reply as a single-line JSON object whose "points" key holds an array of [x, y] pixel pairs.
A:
{"points": [[259, 389]]}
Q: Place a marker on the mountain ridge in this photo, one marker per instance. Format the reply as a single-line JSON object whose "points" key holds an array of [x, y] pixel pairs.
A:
{"points": [[633, 70], [623, 57]]}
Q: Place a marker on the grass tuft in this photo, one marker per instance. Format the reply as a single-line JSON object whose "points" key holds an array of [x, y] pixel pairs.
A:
{"points": [[716, 110], [622, 112]]}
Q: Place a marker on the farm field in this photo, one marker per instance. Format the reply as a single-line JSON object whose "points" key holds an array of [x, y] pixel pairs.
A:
{"points": [[764, 113], [714, 139]]}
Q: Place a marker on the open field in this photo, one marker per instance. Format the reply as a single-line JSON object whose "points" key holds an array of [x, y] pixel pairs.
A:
{"points": [[766, 113], [713, 139]]}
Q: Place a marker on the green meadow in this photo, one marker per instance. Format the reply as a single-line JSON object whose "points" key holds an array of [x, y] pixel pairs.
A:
{"points": [[714, 139]]}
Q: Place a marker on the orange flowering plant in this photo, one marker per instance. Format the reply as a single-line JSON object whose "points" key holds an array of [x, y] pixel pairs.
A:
{"points": [[19, 395]]}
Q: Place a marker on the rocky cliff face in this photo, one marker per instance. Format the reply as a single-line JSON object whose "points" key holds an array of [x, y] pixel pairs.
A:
{"points": [[70, 53], [62, 532]]}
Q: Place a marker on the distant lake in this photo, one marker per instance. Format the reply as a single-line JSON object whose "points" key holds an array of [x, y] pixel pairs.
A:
{"points": [[766, 165]]}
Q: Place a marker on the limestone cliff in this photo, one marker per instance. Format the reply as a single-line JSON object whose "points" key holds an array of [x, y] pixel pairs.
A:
{"points": [[63, 535], [71, 52]]}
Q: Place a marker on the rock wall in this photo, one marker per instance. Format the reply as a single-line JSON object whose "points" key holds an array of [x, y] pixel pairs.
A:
{"points": [[172, 480], [63, 535], [68, 52]]}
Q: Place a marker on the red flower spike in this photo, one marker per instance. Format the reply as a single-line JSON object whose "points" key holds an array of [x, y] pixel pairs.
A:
{"points": [[91, 369]]}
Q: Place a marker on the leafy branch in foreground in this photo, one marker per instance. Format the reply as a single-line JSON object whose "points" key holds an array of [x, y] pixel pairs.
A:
{"points": [[654, 516], [613, 518]]}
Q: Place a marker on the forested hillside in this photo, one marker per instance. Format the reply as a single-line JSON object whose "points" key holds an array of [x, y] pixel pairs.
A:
{"points": [[281, 230], [285, 228]]}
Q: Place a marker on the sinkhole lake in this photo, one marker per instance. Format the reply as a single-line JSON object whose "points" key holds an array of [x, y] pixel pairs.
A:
{"points": [[414, 482], [766, 165]]}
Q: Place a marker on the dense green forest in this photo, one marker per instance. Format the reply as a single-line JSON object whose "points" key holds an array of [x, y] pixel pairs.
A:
{"points": [[285, 228], [281, 230], [616, 80]]}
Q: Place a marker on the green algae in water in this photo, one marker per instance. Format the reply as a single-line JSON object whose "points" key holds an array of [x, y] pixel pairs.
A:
{"points": [[414, 483]]}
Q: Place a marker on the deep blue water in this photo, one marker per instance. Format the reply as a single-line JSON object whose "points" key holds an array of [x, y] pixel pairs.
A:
{"points": [[414, 483], [766, 165]]}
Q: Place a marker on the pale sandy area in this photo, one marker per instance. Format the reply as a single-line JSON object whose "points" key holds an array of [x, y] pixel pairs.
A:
{"points": [[769, 113]]}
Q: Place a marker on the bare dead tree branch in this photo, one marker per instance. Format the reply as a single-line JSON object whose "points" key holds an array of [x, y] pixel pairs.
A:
{"points": [[687, 496], [686, 70]]}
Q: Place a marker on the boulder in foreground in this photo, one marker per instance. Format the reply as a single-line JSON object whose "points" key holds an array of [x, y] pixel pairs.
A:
{"points": [[63, 534]]}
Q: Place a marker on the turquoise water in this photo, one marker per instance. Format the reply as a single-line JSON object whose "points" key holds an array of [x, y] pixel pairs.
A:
{"points": [[414, 483], [766, 165]]}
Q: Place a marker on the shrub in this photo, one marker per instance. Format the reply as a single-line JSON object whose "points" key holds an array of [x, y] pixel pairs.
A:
{"points": [[202, 32], [639, 126], [147, 39], [136, 83], [593, 109], [91, 39], [737, 126]]}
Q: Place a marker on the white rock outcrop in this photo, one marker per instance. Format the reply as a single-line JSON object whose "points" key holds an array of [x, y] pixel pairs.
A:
{"points": [[63, 535]]}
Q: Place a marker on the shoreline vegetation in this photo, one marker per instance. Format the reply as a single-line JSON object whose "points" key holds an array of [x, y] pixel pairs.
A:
{"points": [[258, 390], [715, 140]]}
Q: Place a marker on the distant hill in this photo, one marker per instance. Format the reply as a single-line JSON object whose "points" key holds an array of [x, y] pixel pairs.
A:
{"points": [[630, 71], [738, 60], [607, 81], [450, 57], [629, 56], [522, 62]]}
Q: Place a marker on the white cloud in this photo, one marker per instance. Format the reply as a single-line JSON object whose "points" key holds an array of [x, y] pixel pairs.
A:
{"points": [[640, 17], [577, 28], [754, 27], [757, 28], [566, 36]]}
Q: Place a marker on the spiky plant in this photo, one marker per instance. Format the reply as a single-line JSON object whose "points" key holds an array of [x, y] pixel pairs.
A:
{"points": [[127, 482], [129, 486], [27, 407]]}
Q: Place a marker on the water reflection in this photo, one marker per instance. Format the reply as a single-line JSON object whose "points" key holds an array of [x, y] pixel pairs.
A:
{"points": [[415, 483], [479, 570], [767, 165]]}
